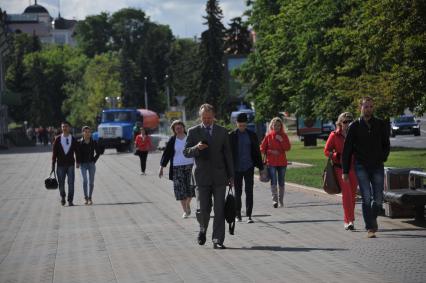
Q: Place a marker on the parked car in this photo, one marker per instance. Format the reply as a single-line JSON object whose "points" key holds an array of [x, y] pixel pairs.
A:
{"points": [[405, 125]]}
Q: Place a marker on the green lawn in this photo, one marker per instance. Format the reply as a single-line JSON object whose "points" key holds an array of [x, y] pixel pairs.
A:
{"points": [[311, 176]]}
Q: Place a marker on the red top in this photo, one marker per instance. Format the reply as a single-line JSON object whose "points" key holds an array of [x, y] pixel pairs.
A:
{"points": [[143, 143], [334, 144], [271, 143]]}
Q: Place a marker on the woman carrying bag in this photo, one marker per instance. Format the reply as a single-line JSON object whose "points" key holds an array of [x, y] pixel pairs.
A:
{"points": [[274, 146], [143, 145], [180, 171], [334, 146]]}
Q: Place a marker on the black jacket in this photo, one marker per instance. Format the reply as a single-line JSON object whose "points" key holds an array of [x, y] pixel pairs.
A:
{"points": [[255, 150], [88, 152], [59, 156], [368, 142], [168, 154]]}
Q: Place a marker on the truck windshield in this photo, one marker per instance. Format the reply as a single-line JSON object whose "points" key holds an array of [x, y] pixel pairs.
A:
{"points": [[116, 117]]}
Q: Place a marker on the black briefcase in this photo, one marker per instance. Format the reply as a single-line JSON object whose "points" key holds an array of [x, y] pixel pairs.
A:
{"points": [[230, 210], [51, 183]]}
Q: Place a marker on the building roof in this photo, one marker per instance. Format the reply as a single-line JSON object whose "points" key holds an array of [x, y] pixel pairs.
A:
{"points": [[61, 23], [35, 9]]}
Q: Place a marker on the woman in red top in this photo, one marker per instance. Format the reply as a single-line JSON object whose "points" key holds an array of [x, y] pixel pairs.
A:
{"points": [[143, 144], [274, 146], [334, 146]]}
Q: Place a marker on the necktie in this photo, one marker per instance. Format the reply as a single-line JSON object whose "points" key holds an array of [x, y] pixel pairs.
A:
{"points": [[209, 133]]}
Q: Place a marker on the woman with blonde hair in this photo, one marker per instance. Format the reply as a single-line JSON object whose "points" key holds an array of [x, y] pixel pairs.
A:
{"points": [[334, 146], [180, 167], [274, 146]]}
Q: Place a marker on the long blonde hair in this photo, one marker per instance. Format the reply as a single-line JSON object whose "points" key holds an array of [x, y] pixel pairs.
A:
{"points": [[276, 120]]}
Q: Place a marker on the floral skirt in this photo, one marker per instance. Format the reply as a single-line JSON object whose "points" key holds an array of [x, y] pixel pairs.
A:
{"points": [[182, 182]]}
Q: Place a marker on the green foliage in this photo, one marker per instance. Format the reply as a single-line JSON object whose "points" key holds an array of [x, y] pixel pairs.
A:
{"points": [[212, 88], [93, 34], [317, 58], [87, 98], [237, 37]]}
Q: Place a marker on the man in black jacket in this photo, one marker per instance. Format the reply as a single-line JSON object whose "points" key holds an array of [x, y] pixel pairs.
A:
{"points": [[246, 155], [368, 140], [64, 153]]}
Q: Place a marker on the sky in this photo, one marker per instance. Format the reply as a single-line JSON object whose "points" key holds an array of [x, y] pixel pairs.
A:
{"points": [[183, 16]]}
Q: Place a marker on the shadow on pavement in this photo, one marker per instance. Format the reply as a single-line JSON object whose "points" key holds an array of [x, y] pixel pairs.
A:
{"points": [[310, 204], [285, 249], [305, 221], [122, 203], [26, 150]]}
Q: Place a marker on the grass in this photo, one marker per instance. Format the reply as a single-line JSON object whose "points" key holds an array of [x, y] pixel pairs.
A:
{"points": [[311, 176]]}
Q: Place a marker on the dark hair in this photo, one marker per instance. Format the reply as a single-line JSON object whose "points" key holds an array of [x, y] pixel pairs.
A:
{"points": [[365, 99], [175, 123], [85, 128], [66, 123]]}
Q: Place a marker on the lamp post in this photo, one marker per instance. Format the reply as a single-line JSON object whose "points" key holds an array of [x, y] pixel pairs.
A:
{"points": [[146, 94], [112, 101], [167, 91]]}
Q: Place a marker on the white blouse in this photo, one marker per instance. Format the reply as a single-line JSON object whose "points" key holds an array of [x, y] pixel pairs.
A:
{"points": [[179, 159]]}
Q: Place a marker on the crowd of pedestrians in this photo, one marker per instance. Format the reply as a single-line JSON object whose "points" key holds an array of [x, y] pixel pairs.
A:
{"points": [[207, 159]]}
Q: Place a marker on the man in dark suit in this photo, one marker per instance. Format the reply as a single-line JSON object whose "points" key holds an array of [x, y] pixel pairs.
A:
{"points": [[64, 155], [246, 154], [209, 145]]}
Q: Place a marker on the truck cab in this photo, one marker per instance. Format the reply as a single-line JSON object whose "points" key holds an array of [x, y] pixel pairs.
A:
{"points": [[116, 128]]}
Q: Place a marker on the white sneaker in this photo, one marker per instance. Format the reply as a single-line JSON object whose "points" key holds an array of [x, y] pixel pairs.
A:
{"points": [[185, 215], [347, 226]]}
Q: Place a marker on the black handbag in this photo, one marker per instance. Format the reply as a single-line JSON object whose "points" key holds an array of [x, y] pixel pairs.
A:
{"points": [[51, 183], [230, 210]]}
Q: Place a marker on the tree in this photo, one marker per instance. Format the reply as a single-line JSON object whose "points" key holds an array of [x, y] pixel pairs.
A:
{"points": [[211, 56], [184, 73], [237, 38], [93, 34], [86, 100]]}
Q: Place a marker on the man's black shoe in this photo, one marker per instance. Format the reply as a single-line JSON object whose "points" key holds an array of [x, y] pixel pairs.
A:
{"points": [[63, 202], [201, 238], [70, 203], [219, 246]]}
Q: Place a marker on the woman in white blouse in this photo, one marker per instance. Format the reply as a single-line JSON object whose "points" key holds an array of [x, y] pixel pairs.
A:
{"points": [[180, 171]]}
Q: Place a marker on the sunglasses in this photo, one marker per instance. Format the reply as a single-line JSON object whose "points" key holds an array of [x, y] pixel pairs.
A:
{"points": [[347, 121]]}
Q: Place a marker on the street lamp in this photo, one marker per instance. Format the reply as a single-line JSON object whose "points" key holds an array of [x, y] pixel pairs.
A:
{"points": [[112, 100], [146, 95], [167, 91]]}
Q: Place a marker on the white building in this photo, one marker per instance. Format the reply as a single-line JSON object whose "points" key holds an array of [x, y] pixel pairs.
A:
{"points": [[36, 20]]}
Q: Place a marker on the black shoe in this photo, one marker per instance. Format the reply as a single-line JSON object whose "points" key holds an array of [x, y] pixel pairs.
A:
{"points": [[219, 246], [275, 205], [201, 238], [70, 203], [63, 202]]}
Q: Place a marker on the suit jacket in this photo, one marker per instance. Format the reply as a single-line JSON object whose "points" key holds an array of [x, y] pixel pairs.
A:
{"points": [[59, 156], [213, 166], [255, 150]]}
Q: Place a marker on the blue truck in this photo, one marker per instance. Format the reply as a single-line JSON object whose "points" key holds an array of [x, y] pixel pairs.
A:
{"points": [[116, 126]]}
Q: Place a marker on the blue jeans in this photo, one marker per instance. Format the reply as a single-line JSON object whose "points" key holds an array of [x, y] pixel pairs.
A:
{"points": [[277, 174], [91, 168], [371, 181], [68, 172]]}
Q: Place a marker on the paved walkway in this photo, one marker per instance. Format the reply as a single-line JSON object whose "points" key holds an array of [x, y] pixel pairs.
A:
{"points": [[134, 233]]}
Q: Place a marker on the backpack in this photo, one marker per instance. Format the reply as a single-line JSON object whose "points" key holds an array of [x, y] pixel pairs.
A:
{"points": [[230, 210]]}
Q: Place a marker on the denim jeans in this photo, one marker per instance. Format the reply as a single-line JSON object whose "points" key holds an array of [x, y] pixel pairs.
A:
{"points": [[91, 168], [371, 181], [68, 172], [277, 174], [248, 188]]}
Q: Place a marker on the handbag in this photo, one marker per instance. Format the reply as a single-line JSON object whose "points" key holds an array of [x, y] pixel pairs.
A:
{"points": [[51, 183], [230, 210], [264, 173], [330, 183]]}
